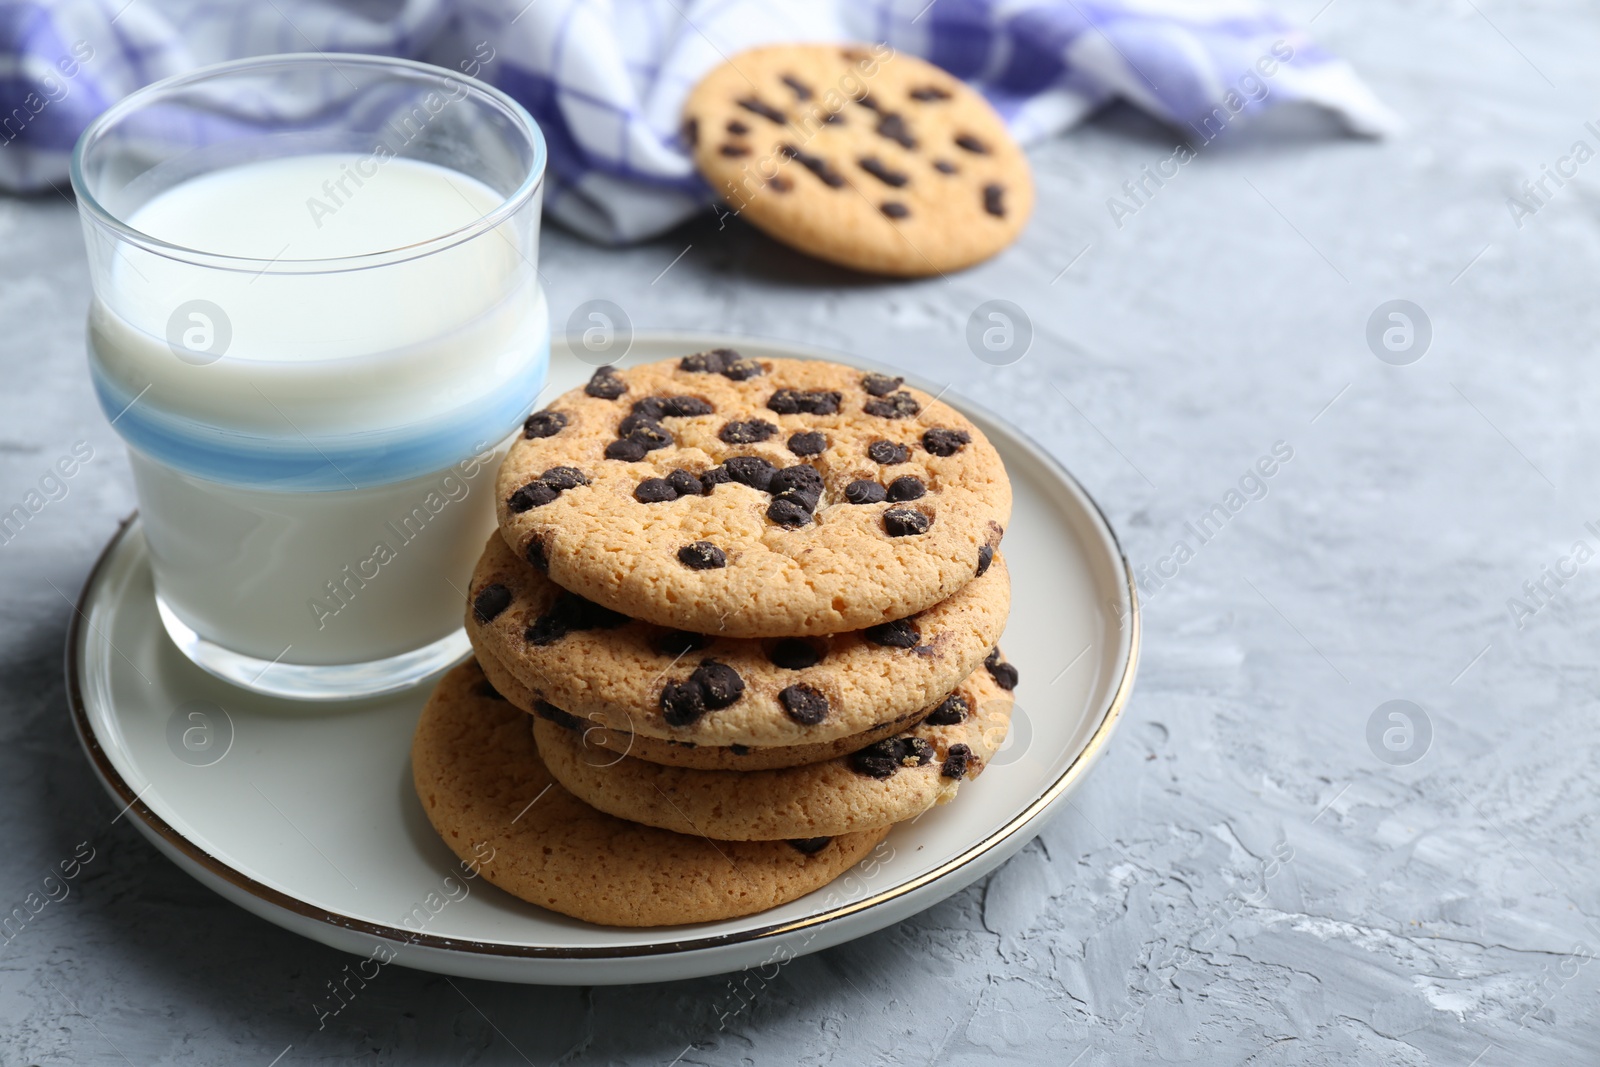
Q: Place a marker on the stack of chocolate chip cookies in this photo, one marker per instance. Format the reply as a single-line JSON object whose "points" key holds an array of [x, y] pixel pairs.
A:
{"points": [[740, 617]]}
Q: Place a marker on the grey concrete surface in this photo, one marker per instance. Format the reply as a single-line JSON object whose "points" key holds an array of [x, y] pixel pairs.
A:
{"points": [[1244, 879]]}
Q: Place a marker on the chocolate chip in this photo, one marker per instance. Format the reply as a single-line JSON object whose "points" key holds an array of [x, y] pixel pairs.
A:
{"points": [[901, 633], [491, 600], [534, 494], [882, 758], [804, 704], [881, 384], [929, 93], [535, 554], [737, 128], [559, 478], [877, 760], [1004, 674], [904, 522], [944, 166], [942, 442], [896, 406], [972, 144], [591, 616], [952, 711], [809, 846], [651, 437], [808, 443], [564, 719], [801, 89], [879, 170], [686, 484], [605, 384], [956, 759], [682, 703], [655, 491], [766, 111], [992, 202], [702, 556], [739, 750], [780, 183], [641, 429], [680, 643], [720, 683], [640, 418], [691, 132], [647, 409], [832, 118], [888, 453], [628, 451], [787, 512], [784, 402], [865, 492], [710, 479], [868, 101], [894, 210], [544, 631], [743, 370], [794, 401], [571, 613], [750, 470], [733, 151], [815, 164], [800, 483], [985, 557], [915, 752], [713, 362], [544, 424], [906, 487], [746, 433], [893, 127], [794, 654], [682, 407]]}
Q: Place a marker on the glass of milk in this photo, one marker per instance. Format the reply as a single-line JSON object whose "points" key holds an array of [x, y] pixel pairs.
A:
{"points": [[316, 322]]}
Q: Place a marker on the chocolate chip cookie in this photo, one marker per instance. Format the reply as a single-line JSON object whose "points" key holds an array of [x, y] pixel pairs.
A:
{"points": [[752, 497], [479, 777], [686, 753], [890, 781], [861, 156], [677, 685]]}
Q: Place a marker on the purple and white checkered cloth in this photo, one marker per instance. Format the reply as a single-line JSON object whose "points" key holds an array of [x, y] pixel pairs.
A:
{"points": [[606, 78]]}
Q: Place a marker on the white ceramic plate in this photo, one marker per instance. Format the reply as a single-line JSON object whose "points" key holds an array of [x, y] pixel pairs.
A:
{"points": [[305, 814]]}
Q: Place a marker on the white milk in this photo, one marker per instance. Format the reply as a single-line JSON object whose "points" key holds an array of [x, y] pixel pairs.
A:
{"points": [[316, 490], [317, 578]]}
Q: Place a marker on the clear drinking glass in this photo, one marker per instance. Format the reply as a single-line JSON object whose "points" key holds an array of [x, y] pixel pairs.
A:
{"points": [[316, 320]]}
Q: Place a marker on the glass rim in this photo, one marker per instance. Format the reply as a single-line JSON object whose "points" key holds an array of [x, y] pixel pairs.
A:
{"points": [[91, 208]]}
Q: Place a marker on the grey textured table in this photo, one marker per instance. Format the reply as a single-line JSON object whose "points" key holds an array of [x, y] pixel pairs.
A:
{"points": [[1246, 878]]}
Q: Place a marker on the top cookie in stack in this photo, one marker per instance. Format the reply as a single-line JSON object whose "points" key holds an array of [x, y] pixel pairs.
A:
{"points": [[754, 498]]}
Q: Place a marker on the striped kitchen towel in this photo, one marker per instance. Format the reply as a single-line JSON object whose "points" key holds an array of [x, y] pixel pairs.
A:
{"points": [[606, 78]]}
